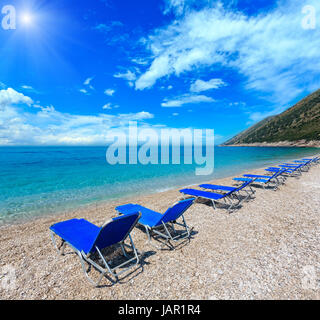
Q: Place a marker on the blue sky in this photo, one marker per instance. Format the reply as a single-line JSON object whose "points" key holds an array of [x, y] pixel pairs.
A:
{"points": [[75, 69]]}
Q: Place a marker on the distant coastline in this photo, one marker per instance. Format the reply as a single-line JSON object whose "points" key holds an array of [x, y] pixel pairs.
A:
{"points": [[296, 144]]}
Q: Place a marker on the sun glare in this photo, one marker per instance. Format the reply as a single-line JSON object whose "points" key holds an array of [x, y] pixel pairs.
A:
{"points": [[26, 18]]}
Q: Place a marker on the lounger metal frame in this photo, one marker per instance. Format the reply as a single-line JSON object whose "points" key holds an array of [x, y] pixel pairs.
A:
{"points": [[107, 267], [164, 232], [273, 180], [227, 199]]}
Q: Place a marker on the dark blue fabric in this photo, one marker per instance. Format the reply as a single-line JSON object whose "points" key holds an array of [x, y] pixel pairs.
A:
{"points": [[78, 232], [241, 179], [152, 218], [203, 194], [249, 180], [116, 230], [148, 217], [177, 210], [217, 187], [224, 188], [257, 176], [84, 236], [275, 169]]}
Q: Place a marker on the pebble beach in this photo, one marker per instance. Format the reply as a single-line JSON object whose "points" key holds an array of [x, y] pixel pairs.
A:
{"points": [[269, 248]]}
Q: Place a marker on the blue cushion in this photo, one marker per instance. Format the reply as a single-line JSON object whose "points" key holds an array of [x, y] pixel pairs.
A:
{"points": [[257, 176], [175, 212], [152, 218], [247, 179], [217, 187], [148, 217], [202, 194], [80, 233]]}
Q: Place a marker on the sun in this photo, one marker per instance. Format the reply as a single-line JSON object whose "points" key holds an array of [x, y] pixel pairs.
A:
{"points": [[26, 18]]}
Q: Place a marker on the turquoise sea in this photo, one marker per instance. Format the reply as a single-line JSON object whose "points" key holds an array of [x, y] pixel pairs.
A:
{"points": [[36, 181]]}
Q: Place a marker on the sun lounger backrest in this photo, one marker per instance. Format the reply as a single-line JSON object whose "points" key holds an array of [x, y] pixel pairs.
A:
{"points": [[174, 212], [115, 230], [242, 186], [277, 173]]}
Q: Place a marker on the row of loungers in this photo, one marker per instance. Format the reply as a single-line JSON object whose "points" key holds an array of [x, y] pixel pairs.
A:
{"points": [[90, 241]]}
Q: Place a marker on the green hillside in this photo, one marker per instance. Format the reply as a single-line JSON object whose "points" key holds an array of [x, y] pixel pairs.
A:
{"points": [[300, 122]]}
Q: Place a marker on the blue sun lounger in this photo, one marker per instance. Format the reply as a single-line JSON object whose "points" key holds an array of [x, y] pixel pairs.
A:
{"points": [[314, 160], [215, 197], [87, 240], [306, 164], [158, 225], [235, 189], [295, 168], [227, 188], [283, 176], [302, 167], [302, 163], [277, 169], [264, 179]]}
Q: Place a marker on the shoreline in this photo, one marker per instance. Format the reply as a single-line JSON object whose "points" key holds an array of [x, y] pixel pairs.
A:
{"points": [[257, 252], [128, 198], [285, 144]]}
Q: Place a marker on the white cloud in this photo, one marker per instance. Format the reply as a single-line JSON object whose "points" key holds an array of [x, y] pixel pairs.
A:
{"points": [[84, 91], [130, 76], [87, 81], [159, 68], [186, 99], [179, 7], [200, 85], [237, 104], [109, 92], [109, 106], [139, 61], [88, 86], [271, 50], [26, 87], [108, 27], [258, 116], [24, 123], [11, 97], [175, 5], [47, 108]]}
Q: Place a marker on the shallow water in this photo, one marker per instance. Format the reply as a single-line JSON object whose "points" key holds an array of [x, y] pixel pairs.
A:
{"points": [[42, 180]]}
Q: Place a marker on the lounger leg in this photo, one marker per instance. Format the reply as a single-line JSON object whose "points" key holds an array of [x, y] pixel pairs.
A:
{"points": [[123, 250], [149, 238], [186, 226], [231, 205], [148, 233], [134, 249], [85, 271], [63, 244]]}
